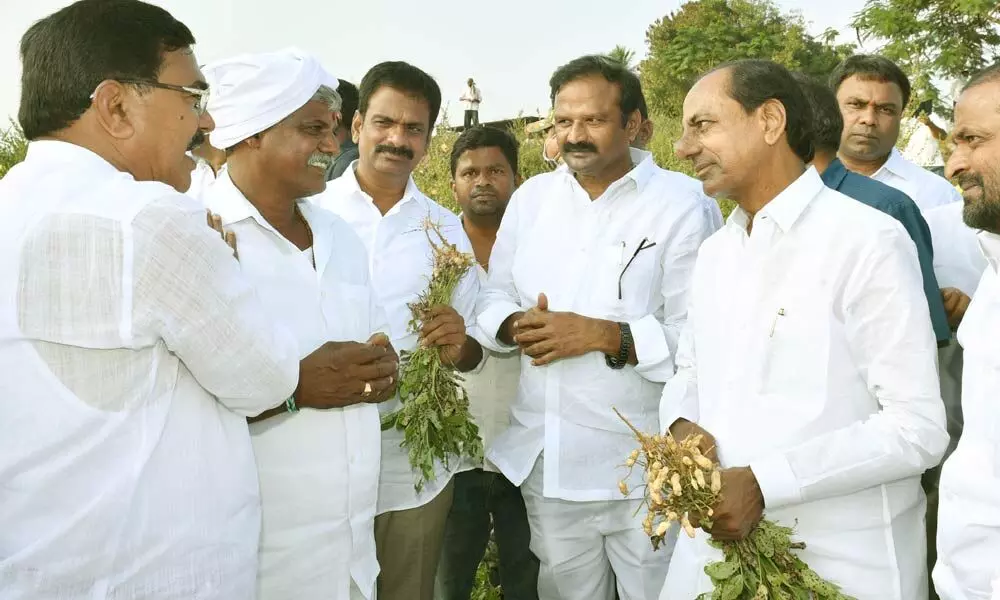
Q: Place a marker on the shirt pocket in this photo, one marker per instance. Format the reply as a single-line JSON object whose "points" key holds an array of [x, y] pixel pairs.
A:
{"points": [[620, 280], [795, 360]]}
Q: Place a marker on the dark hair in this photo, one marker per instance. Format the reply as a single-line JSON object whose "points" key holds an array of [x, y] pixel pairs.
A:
{"points": [[643, 109], [482, 136], [66, 55], [987, 75], [752, 82], [405, 78], [630, 90], [348, 100], [828, 123], [870, 66]]}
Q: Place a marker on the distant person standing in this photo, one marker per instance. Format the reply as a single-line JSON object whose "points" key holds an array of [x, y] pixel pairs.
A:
{"points": [[472, 98], [348, 147]]}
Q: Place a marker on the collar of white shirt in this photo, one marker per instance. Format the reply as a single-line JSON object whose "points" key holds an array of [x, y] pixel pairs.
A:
{"points": [[989, 243], [58, 151], [411, 193], [642, 169], [229, 203], [898, 165], [785, 208]]}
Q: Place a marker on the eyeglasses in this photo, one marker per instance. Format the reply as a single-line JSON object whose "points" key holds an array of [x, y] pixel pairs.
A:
{"points": [[643, 245], [200, 94]]}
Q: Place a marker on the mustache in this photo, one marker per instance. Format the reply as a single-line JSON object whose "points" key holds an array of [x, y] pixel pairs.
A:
{"points": [[397, 150], [197, 140], [579, 147], [320, 159], [483, 190], [967, 180]]}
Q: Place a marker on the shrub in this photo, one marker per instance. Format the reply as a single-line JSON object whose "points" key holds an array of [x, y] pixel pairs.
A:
{"points": [[13, 147]]}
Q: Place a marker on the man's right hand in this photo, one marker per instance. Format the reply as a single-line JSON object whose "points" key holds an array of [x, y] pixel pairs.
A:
{"points": [[682, 428], [336, 374], [955, 305]]}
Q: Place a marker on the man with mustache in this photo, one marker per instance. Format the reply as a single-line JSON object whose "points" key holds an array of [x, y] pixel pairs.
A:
{"points": [[397, 107], [969, 519], [275, 115], [133, 348], [484, 175], [809, 353], [873, 92], [589, 278]]}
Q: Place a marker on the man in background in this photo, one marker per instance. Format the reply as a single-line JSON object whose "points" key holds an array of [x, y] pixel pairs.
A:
{"points": [[484, 175], [472, 98], [348, 148], [872, 93]]}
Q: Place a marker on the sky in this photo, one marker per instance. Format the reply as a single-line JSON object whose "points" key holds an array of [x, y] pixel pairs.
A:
{"points": [[510, 47]]}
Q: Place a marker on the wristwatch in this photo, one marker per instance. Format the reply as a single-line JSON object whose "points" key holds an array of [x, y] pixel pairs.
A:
{"points": [[619, 362]]}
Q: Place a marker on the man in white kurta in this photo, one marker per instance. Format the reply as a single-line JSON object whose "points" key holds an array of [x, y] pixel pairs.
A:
{"points": [[132, 350], [873, 92], [377, 196], [968, 566], [618, 260], [808, 354], [318, 469]]}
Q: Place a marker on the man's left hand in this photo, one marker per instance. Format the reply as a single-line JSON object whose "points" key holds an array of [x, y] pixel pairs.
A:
{"points": [[548, 336], [445, 328], [742, 505]]}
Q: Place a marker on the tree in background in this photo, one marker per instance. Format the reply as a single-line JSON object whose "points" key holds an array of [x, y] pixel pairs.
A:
{"points": [[933, 39], [706, 33], [623, 55]]}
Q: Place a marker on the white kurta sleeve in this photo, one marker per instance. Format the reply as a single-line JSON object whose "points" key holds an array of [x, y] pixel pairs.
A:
{"points": [[499, 299], [656, 335], [189, 291], [680, 394], [890, 336]]}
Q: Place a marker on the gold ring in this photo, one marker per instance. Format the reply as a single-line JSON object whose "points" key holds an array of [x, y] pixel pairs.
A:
{"points": [[368, 389]]}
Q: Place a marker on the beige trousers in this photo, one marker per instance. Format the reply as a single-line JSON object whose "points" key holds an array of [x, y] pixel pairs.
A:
{"points": [[408, 546]]}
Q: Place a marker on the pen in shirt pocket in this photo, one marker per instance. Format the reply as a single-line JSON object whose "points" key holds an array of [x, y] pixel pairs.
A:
{"points": [[774, 322], [621, 257]]}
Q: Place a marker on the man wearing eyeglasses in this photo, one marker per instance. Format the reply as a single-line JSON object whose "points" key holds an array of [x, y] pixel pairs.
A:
{"points": [[133, 349], [589, 276]]}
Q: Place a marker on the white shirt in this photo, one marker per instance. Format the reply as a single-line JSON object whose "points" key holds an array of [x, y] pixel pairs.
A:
{"points": [[927, 189], [400, 258], [968, 543], [958, 259], [471, 97], [492, 389], [133, 350], [318, 469], [922, 147], [202, 177], [555, 239], [809, 355]]}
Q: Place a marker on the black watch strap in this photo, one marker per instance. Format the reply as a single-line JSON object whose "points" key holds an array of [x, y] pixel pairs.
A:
{"points": [[619, 362]]}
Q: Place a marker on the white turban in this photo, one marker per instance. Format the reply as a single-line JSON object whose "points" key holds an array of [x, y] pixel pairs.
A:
{"points": [[253, 92]]}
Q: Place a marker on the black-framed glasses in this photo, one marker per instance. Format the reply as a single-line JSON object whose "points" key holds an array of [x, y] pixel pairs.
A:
{"points": [[642, 246], [200, 94]]}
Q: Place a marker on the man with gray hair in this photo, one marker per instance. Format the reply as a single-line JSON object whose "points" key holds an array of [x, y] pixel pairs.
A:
{"points": [[276, 114]]}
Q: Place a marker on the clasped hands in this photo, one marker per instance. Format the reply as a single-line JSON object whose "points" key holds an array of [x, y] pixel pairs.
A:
{"points": [[547, 336], [742, 504]]}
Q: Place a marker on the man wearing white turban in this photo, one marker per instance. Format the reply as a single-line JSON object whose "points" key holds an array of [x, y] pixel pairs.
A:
{"points": [[275, 115]]}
